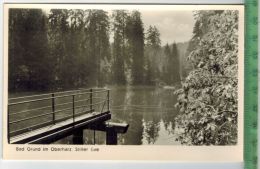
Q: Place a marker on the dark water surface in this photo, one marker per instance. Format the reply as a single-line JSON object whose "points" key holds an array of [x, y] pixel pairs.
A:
{"points": [[149, 111]]}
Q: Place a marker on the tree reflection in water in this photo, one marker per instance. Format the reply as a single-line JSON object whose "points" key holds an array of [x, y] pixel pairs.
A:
{"points": [[149, 111]]}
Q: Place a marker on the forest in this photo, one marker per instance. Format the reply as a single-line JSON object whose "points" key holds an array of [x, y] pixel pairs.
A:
{"points": [[66, 49]]}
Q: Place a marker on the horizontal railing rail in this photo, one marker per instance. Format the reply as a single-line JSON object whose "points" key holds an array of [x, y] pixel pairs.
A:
{"points": [[25, 111], [29, 118], [58, 104], [26, 129]]}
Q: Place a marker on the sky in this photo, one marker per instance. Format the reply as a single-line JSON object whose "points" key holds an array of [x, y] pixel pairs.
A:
{"points": [[173, 25]]}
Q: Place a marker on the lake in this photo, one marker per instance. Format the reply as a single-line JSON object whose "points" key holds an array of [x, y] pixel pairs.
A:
{"points": [[149, 111]]}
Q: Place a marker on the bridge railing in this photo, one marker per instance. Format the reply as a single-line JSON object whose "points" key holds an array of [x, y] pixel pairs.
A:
{"points": [[33, 112]]}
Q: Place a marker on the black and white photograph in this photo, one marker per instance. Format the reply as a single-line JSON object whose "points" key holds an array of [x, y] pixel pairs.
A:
{"points": [[123, 76]]}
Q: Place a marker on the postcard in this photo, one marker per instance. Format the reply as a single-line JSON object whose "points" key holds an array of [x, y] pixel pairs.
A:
{"points": [[123, 82]]}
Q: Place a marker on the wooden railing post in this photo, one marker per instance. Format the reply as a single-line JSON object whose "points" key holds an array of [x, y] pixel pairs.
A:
{"points": [[53, 107], [73, 108], [90, 99]]}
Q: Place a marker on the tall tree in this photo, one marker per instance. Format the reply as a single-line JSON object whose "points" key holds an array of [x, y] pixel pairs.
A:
{"points": [[28, 50], [175, 74], [18, 73], [119, 46], [153, 37], [152, 50], [77, 55], [98, 41], [135, 36], [167, 69], [171, 72], [58, 45]]}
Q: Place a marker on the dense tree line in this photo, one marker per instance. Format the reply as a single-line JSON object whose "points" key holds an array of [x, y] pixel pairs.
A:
{"points": [[208, 96], [171, 73], [80, 46], [62, 49], [28, 50]]}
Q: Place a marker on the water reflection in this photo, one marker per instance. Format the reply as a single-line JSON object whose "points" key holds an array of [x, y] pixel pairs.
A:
{"points": [[149, 111]]}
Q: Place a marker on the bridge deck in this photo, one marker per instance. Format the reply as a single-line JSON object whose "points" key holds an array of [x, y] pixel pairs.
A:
{"points": [[61, 129]]}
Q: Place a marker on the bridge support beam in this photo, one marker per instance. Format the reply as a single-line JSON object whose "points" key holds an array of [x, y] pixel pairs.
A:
{"points": [[111, 136], [77, 137], [111, 129]]}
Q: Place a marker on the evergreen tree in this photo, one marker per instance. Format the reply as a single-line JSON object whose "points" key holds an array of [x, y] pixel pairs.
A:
{"points": [[77, 55], [171, 72], [135, 36], [58, 45], [167, 69], [175, 75], [153, 37], [18, 73], [152, 50], [119, 46], [98, 42], [28, 50]]}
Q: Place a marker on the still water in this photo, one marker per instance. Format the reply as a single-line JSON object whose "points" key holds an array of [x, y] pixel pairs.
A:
{"points": [[149, 111]]}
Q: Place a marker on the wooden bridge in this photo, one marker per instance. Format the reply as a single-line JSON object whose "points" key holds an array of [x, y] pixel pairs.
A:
{"points": [[46, 118]]}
